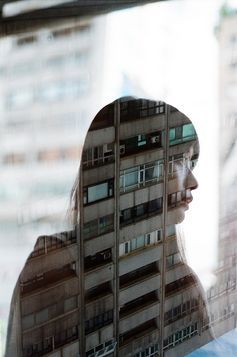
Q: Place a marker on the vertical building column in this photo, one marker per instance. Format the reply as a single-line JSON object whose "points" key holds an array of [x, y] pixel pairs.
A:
{"points": [[80, 268], [164, 222], [116, 221]]}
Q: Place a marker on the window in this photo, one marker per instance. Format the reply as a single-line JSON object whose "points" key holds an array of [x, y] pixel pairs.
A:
{"points": [[98, 321], [188, 131], [137, 109], [181, 134], [70, 303], [141, 142], [180, 336], [140, 242], [104, 349], [170, 230], [173, 259], [98, 192], [93, 261], [177, 198], [42, 316], [98, 155], [141, 175], [159, 235], [98, 226], [141, 211], [28, 321], [129, 179]]}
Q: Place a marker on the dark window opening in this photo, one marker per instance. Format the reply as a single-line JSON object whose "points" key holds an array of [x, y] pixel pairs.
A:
{"points": [[142, 211], [140, 142], [93, 261]]}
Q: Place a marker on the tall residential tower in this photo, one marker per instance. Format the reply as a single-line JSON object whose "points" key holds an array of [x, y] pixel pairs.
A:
{"points": [[118, 285]]}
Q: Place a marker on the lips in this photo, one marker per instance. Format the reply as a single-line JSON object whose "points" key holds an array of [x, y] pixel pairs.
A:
{"points": [[188, 199]]}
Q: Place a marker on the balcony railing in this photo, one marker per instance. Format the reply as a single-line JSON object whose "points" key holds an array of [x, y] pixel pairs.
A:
{"points": [[48, 244], [138, 332], [138, 304], [180, 284], [50, 344], [98, 292], [44, 280], [138, 275]]}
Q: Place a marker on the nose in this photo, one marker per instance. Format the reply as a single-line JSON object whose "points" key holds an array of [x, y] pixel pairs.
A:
{"points": [[191, 181]]}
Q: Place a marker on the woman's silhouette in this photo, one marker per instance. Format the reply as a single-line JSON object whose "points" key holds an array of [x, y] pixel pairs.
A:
{"points": [[118, 283]]}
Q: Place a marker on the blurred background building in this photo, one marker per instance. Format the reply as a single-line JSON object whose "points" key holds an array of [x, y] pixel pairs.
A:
{"points": [[50, 83], [223, 295]]}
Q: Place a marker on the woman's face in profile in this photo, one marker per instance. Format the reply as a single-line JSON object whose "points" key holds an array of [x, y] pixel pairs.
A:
{"points": [[186, 182]]}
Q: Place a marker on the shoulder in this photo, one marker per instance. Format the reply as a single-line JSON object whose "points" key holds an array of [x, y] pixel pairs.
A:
{"points": [[50, 242]]}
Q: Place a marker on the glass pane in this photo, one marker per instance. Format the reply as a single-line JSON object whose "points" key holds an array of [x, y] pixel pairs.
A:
{"points": [[131, 177], [172, 134], [134, 244], [97, 192], [188, 130], [140, 241]]}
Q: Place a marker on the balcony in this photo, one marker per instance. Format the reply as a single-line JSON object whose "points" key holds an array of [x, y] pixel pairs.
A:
{"points": [[138, 304], [137, 275], [139, 332], [98, 276], [99, 259], [98, 292], [178, 312], [139, 316], [51, 343], [180, 284], [98, 321], [45, 280], [143, 287]]}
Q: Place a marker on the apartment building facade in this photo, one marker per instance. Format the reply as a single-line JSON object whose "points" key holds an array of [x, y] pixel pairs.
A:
{"points": [[118, 285]]}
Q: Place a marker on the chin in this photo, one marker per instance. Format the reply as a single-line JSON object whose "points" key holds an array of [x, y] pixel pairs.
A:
{"points": [[181, 214]]}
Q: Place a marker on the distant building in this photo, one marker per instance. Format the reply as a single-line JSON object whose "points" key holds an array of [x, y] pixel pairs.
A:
{"points": [[50, 82], [117, 284], [222, 296]]}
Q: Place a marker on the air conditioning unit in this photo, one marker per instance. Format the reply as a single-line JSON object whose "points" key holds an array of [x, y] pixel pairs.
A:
{"points": [[122, 149], [155, 139], [106, 255]]}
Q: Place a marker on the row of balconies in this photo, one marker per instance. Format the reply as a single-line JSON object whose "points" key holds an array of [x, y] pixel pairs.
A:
{"points": [[50, 344]]}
